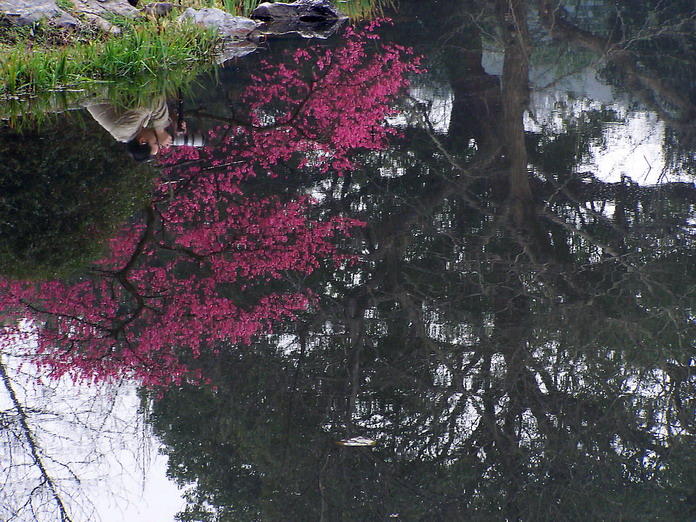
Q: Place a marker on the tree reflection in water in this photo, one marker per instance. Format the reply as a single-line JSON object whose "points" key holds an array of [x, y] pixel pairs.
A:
{"points": [[519, 337], [517, 334]]}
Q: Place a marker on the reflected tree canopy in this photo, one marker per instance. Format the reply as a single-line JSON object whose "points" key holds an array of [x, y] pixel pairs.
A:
{"points": [[519, 336], [514, 328], [66, 187]]}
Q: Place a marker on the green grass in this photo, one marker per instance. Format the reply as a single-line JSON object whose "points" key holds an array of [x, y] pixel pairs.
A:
{"points": [[65, 5], [151, 56], [153, 49], [242, 7]]}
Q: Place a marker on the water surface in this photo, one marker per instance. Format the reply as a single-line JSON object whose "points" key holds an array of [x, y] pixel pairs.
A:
{"points": [[466, 236]]}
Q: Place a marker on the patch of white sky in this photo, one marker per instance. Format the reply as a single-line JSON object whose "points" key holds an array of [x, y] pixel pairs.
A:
{"points": [[288, 343], [632, 146], [98, 432], [436, 98]]}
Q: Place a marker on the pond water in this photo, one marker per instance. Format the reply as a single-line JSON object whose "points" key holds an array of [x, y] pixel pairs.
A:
{"points": [[441, 269]]}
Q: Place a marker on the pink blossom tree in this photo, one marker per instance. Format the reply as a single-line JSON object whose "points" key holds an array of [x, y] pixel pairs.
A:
{"points": [[204, 269]]}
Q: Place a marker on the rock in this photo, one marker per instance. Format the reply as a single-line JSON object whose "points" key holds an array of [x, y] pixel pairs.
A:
{"points": [[102, 7], [240, 36], [158, 8], [307, 18], [320, 30], [102, 24], [231, 49], [302, 10], [28, 12], [228, 26], [95, 12]]}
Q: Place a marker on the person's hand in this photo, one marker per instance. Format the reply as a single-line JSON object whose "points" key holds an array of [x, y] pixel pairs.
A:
{"points": [[163, 138], [166, 142]]}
